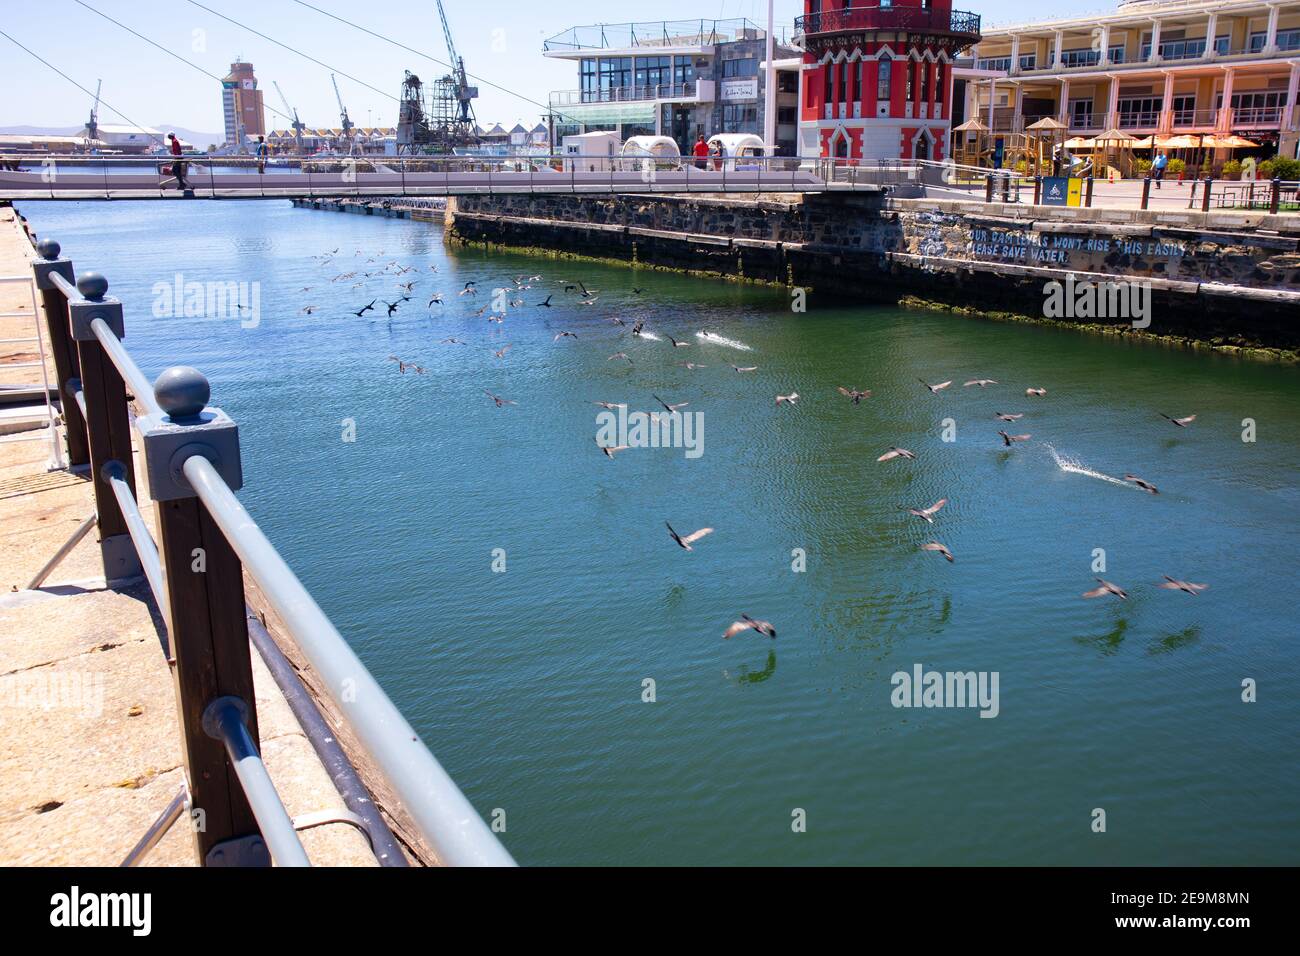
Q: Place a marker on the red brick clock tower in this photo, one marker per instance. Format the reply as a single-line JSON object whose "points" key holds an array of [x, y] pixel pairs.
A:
{"points": [[877, 76]]}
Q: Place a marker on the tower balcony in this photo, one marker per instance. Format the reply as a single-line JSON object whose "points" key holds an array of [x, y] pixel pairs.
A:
{"points": [[959, 26]]}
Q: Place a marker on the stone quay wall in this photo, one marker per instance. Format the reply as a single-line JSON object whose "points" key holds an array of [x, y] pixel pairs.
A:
{"points": [[1228, 280]]}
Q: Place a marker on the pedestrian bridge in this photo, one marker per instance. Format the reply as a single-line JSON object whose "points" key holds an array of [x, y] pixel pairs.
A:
{"points": [[94, 178]]}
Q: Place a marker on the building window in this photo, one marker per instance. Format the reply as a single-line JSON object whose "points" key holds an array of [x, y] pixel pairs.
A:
{"points": [[786, 115], [683, 70], [1029, 61], [939, 87], [615, 73], [1002, 63], [743, 67], [1286, 40], [589, 84], [787, 81], [1137, 111], [654, 71], [925, 83], [1090, 57], [884, 80], [911, 73], [828, 71], [739, 119], [857, 81], [1184, 109], [844, 82]]}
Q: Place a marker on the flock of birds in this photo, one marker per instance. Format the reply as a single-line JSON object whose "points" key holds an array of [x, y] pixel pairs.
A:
{"points": [[512, 296]]}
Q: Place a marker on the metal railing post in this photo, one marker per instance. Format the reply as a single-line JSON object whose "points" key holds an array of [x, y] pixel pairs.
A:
{"points": [[205, 607], [66, 365], [108, 425]]}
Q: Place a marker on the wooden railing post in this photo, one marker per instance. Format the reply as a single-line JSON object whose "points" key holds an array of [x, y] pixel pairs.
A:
{"points": [[66, 365], [205, 608], [1205, 196], [1275, 197], [1146, 192], [108, 424]]}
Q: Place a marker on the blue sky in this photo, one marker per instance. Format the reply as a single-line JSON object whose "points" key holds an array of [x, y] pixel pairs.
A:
{"points": [[499, 39]]}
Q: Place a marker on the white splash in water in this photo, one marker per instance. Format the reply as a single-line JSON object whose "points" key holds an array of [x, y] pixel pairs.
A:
{"points": [[1075, 467], [723, 340], [651, 336]]}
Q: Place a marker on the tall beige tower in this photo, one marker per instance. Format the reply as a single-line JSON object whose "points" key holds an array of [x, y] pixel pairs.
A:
{"points": [[241, 103]]}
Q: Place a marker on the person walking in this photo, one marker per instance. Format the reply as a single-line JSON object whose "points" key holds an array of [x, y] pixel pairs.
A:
{"points": [[262, 151], [701, 151], [1158, 168], [178, 167]]}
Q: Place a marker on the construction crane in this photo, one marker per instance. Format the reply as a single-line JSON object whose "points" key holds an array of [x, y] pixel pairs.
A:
{"points": [[92, 124], [344, 122], [290, 111], [446, 123]]}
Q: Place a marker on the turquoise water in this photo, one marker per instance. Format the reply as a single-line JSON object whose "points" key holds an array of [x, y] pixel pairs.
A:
{"points": [[528, 684]]}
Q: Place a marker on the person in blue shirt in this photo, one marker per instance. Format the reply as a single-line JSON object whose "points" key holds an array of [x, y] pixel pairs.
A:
{"points": [[262, 151], [1158, 168]]}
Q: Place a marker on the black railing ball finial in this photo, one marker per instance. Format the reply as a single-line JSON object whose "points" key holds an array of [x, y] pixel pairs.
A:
{"points": [[48, 248], [182, 392], [93, 286]]}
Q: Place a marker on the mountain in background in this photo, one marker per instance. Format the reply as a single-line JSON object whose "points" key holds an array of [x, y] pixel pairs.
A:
{"points": [[198, 139]]}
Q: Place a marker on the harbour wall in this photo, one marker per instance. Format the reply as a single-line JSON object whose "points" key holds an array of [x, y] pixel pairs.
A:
{"points": [[1230, 281]]}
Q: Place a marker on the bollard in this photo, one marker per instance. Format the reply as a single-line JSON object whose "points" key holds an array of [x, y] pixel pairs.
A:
{"points": [[1205, 197], [988, 188], [1275, 198], [108, 424], [1038, 189], [1087, 199], [205, 607], [1006, 188], [1146, 192], [66, 367]]}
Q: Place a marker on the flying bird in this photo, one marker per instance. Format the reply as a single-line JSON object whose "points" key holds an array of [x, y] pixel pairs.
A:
{"points": [[671, 408], [678, 345], [501, 352], [981, 382], [546, 302], [928, 514], [1144, 485], [1008, 416], [612, 450], [501, 402], [936, 546], [436, 298], [470, 289], [392, 306], [1035, 391], [1106, 588], [365, 308], [935, 389], [1008, 439], [686, 541], [791, 398], [745, 368], [563, 335], [857, 394], [690, 365], [896, 453], [748, 623], [1180, 422], [619, 355], [1173, 584]]}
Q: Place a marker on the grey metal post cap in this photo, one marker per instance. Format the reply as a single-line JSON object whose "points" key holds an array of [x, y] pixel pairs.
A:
{"points": [[93, 286], [49, 249], [168, 441], [182, 392], [42, 269], [81, 312]]}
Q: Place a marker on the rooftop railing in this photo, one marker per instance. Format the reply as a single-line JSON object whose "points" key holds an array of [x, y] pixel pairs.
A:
{"points": [[623, 94], [206, 543], [888, 17], [656, 33]]}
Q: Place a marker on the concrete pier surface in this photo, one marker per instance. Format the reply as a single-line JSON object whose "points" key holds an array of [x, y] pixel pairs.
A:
{"points": [[90, 751]]}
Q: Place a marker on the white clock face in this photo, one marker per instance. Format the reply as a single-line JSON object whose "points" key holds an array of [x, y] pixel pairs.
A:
{"points": [[248, 84]]}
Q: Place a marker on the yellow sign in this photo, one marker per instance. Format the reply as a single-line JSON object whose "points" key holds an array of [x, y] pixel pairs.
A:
{"points": [[1074, 197]]}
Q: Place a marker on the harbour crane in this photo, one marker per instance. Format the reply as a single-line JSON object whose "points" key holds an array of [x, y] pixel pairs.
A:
{"points": [[290, 111], [92, 124], [447, 120], [344, 122]]}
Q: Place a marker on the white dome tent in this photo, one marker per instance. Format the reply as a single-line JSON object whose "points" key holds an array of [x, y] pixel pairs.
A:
{"points": [[662, 151], [739, 150]]}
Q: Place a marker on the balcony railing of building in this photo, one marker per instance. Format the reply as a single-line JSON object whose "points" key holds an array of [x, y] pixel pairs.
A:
{"points": [[888, 17], [623, 94], [656, 33]]}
